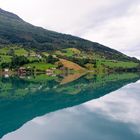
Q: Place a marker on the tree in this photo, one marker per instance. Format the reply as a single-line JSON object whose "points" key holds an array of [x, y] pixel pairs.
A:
{"points": [[18, 61], [5, 65], [59, 64], [95, 63], [51, 59]]}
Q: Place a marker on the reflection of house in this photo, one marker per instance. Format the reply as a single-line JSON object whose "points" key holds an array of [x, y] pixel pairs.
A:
{"points": [[6, 76], [62, 68], [49, 72]]}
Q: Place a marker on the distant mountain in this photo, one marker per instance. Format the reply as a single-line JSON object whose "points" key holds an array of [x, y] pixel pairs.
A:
{"points": [[14, 30]]}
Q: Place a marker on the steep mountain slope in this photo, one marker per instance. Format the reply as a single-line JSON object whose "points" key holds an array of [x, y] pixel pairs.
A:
{"points": [[14, 30]]}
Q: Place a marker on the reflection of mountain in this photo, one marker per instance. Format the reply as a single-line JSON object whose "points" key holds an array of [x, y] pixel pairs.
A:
{"points": [[22, 100], [71, 78]]}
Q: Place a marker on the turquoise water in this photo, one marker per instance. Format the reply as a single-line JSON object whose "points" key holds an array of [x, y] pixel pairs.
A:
{"points": [[87, 108]]}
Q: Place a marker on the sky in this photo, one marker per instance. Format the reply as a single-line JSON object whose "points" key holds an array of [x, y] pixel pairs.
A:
{"points": [[114, 23]]}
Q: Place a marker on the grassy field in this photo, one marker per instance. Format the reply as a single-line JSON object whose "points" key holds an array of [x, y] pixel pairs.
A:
{"points": [[72, 51], [5, 58], [71, 65], [4, 51], [45, 53], [32, 58], [20, 52], [69, 52], [40, 66], [118, 64], [102, 63], [17, 51]]}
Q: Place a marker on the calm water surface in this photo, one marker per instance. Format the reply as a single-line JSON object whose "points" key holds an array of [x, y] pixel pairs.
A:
{"points": [[88, 108]]}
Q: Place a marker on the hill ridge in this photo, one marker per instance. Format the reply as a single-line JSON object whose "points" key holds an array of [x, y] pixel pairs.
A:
{"points": [[14, 30]]}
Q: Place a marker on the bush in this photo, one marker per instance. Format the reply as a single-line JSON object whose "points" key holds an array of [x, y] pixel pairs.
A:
{"points": [[5, 65]]}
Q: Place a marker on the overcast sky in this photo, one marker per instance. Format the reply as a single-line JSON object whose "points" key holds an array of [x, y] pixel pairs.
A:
{"points": [[114, 23]]}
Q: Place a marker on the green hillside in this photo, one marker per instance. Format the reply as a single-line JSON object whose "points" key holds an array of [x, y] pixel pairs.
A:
{"points": [[14, 30], [37, 45]]}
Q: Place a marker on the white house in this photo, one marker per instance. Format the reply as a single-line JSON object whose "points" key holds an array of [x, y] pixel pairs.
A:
{"points": [[6, 70]]}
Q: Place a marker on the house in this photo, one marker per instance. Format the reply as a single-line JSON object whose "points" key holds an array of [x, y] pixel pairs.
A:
{"points": [[22, 70], [39, 56], [54, 56], [53, 68], [6, 70]]}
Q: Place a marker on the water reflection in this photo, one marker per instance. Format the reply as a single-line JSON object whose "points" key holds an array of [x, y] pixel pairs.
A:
{"points": [[21, 100], [108, 118]]}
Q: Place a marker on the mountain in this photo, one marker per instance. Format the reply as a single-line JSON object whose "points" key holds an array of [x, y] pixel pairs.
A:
{"points": [[14, 30]]}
